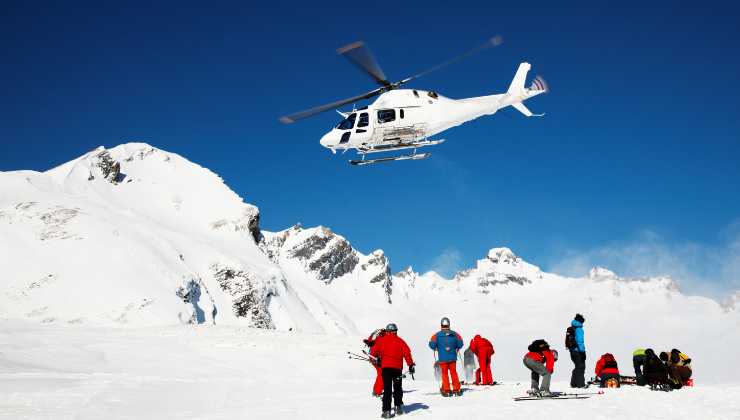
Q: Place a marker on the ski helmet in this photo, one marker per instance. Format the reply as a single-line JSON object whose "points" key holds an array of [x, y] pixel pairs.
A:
{"points": [[391, 327], [554, 354], [445, 322]]}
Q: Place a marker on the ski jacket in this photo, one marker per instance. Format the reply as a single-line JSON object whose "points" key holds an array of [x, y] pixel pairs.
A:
{"points": [[392, 351], [606, 365], [545, 357], [481, 346], [578, 326], [447, 343], [679, 359]]}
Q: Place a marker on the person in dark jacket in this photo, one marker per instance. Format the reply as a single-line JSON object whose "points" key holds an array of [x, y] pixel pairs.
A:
{"points": [[654, 370], [392, 351], [578, 354], [607, 369], [447, 343]]}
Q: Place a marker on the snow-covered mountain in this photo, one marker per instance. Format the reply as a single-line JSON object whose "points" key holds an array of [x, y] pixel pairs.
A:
{"points": [[136, 236]]}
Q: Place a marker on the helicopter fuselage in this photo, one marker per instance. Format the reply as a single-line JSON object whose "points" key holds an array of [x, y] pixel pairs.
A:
{"points": [[401, 118]]}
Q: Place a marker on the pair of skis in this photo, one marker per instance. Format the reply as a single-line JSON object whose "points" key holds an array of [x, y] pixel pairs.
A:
{"points": [[560, 396]]}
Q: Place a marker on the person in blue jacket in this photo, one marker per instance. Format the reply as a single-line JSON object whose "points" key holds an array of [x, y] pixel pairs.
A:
{"points": [[447, 343], [578, 354]]}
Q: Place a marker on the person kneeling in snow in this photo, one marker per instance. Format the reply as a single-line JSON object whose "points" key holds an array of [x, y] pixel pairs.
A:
{"points": [[541, 361], [483, 349], [371, 342], [390, 354], [607, 371], [654, 370]]}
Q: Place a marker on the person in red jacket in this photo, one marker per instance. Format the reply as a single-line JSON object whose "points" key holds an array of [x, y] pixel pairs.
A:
{"points": [[541, 361], [371, 342], [483, 349], [390, 353], [607, 369]]}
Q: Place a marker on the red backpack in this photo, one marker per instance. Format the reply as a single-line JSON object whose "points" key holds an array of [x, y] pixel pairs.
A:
{"points": [[609, 361]]}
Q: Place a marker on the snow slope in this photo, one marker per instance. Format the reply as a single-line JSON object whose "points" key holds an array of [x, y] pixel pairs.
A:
{"points": [[138, 238], [224, 373]]}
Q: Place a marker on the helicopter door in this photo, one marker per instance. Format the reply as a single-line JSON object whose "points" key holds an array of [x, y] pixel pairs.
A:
{"points": [[363, 131]]}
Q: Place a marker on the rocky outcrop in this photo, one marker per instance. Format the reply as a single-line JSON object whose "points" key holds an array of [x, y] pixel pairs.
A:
{"points": [[250, 298], [378, 268], [110, 169]]}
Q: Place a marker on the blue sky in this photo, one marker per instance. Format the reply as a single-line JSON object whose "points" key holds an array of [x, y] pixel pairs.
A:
{"points": [[636, 161]]}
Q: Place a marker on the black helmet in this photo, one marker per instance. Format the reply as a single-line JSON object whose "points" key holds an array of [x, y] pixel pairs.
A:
{"points": [[391, 327], [445, 322], [580, 318]]}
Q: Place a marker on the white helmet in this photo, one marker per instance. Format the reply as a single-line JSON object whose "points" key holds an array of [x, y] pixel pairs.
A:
{"points": [[445, 322]]}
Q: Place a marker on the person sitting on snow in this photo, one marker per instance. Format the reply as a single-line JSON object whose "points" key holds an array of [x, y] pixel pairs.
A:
{"points": [[541, 361], [447, 343], [607, 370], [391, 352], [483, 349], [679, 366]]}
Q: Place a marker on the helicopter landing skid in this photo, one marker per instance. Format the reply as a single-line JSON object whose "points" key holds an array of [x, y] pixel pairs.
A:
{"points": [[413, 156]]}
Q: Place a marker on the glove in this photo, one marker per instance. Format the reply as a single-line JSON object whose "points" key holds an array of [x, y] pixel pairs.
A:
{"points": [[367, 342], [377, 361], [412, 369]]}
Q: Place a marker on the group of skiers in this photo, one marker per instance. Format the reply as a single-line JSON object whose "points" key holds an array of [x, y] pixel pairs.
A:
{"points": [[668, 369], [388, 352]]}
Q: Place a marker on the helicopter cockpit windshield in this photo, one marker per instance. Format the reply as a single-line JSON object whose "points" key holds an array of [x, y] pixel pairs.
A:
{"points": [[348, 123]]}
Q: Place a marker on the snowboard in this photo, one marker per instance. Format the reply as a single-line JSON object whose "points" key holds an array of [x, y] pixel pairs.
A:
{"points": [[469, 365]]}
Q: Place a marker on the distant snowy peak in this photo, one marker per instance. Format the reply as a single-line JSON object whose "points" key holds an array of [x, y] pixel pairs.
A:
{"points": [[160, 185], [601, 273]]}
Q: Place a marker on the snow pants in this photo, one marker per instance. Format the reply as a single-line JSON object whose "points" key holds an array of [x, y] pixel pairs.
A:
{"points": [[577, 378], [483, 375], [449, 370], [378, 386], [392, 386], [538, 369], [639, 361]]}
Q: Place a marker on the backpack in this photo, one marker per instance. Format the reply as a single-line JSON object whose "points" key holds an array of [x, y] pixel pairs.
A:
{"points": [[609, 361], [570, 338], [538, 345]]}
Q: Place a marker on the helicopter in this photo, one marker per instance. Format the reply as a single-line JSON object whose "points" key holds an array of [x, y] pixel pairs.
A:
{"points": [[407, 119]]}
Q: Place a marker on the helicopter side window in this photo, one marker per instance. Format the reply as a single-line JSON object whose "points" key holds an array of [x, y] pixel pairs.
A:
{"points": [[400, 112], [386, 115], [348, 123], [364, 120], [433, 94]]}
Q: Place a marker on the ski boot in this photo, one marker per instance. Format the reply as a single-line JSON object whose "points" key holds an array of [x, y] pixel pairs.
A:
{"points": [[533, 392], [386, 415], [399, 410], [458, 393], [545, 394]]}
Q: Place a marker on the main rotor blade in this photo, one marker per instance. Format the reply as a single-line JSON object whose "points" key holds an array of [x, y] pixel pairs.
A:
{"points": [[359, 55], [288, 119], [493, 42]]}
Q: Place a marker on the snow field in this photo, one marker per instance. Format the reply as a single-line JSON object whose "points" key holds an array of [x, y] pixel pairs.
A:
{"points": [[190, 372]]}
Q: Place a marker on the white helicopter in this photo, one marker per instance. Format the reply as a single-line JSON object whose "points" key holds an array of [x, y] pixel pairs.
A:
{"points": [[405, 119]]}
